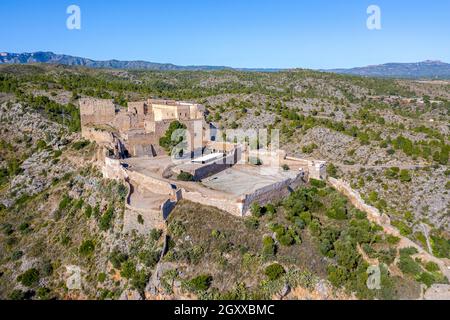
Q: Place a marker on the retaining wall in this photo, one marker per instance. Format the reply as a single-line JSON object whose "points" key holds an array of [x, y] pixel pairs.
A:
{"points": [[152, 184], [270, 193], [226, 204]]}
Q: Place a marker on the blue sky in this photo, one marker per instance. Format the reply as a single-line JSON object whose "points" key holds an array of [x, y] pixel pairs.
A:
{"points": [[239, 33]]}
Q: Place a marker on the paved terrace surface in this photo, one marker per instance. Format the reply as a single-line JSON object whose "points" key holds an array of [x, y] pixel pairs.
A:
{"points": [[229, 184], [153, 167], [245, 179]]}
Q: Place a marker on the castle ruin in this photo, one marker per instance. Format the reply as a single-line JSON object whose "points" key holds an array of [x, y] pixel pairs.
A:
{"points": [[222, 173]]}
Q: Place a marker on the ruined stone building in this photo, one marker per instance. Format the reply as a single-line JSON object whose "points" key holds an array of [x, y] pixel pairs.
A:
{"points": [[140, 126]]}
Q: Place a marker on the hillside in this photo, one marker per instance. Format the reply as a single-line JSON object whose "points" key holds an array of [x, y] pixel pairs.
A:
{"points": [[389, 139]]}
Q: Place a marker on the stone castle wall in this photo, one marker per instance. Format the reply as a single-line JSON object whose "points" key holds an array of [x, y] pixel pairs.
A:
{"points": [[223, 203], [97, 111], [374, 215], [271, 193]]}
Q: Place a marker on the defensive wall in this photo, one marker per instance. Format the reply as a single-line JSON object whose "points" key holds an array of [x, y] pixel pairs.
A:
{"points": [[374, 215]]}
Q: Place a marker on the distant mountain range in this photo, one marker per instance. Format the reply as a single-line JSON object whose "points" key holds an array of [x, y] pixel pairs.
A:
{"points": [[427, 69], [53, 58]]}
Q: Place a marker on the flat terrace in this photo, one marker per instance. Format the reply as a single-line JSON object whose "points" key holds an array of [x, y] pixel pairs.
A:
{"points": [[246, 179], [153, 167]]}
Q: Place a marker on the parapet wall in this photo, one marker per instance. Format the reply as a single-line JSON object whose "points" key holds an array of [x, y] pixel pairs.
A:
{"points": [[373, 214], [226, 204], [270, 193], [316, 169], [152, 184]]}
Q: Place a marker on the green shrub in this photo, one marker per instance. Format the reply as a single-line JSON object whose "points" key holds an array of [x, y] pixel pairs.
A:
{"points": [[88, 211], [392, 173], [200, 283], [117, 258], [106, 219], [43, 293], [41, 144], [150, 257], [409, 251], [274, 271], [17, 295], [155, 234], [286, 239], [47, 268], [251, 223], [101, 277], [177, 228], [338, 209], [140, 280], [128, 270], [65, 202], [331, 170], [404, 229], [408, 266], [29, 278], [440, 246], [257, 211], [426, 278], [392, 239], [166, 141], [405, 176], [431, 266], [309, 148], [185, 176], [16, 255], [87, 248], [317, 183], [80, 144], [269, 248]]}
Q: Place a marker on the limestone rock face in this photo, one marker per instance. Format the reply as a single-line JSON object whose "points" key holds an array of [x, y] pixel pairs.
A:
{"points": [[323, 289], [130, 295], [438, 292]]}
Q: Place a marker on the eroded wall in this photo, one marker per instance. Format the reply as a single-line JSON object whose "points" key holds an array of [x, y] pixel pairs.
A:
{"points": [[96, 111]]}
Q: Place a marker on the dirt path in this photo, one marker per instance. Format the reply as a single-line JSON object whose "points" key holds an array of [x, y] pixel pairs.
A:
{"points": [[427, 236]]}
